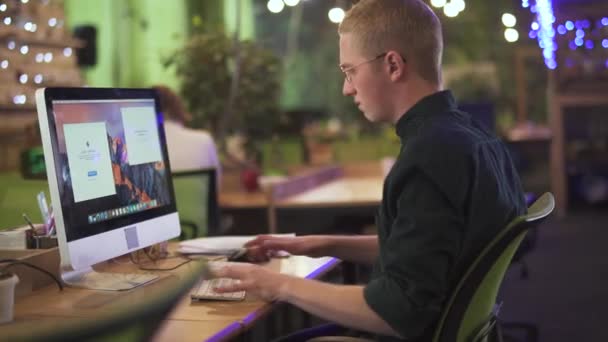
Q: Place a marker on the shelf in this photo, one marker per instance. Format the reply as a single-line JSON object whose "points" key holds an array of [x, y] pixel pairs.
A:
{"points": [[578, 99], [15, 108], [57, 43]]}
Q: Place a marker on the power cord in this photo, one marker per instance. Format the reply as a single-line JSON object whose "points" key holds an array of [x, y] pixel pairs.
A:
{"points": [[13, 262], [154, 257]]}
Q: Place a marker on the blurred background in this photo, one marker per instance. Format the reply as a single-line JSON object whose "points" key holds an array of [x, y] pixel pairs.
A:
{"points": [[510, 63], [262, 77]]}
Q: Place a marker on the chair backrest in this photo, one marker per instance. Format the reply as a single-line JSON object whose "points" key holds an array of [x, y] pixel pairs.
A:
{"points": [[197, 202], [470, 306], [135, 318]]}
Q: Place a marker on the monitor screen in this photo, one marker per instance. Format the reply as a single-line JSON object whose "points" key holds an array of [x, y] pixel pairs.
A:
{"points": [[109, 159], [110, 163]]}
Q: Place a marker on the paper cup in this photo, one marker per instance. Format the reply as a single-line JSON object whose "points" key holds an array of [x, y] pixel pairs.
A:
{"points": [[7, 297]]}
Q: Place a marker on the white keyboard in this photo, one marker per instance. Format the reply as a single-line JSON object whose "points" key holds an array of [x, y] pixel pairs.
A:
{"points": [[204, 290]]}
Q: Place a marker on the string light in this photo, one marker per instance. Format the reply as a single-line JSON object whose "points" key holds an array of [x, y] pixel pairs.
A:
{"points": [[19, 99], [48, 57], [509, 20], [275, 6], [336, 15], [291, 3], [438, 3], [545, 32], [450, 10], [511, 35]]}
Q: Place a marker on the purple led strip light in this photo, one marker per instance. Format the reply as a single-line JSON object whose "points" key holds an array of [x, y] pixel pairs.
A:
{"points": [[320, 270]]}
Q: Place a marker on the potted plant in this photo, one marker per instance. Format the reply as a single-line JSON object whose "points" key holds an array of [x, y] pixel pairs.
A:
{"points": [[230, 87]]}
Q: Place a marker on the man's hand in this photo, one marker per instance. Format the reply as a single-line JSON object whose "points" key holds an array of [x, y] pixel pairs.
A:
{"points": [[256, 280], [342, 304], [264, 247]]}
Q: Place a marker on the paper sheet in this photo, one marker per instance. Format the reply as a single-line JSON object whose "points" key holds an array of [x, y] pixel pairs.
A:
{"points": [[218, 244]]}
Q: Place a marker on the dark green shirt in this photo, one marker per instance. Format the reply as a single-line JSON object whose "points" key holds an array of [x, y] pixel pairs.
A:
{"points": [[452, 188]]}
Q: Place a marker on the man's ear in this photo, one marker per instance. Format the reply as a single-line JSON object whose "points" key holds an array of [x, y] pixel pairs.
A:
{"points": [[396, 64]]}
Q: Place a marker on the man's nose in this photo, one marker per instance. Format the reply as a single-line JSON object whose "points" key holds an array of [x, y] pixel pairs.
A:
{"points": [[347, 88]]}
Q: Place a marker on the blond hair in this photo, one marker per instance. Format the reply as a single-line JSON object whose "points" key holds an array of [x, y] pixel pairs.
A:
{"points": [[409, 27]]}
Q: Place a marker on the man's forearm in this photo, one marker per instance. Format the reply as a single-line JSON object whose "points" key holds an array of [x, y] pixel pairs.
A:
{"points": [[341, 304], [358, 249]]}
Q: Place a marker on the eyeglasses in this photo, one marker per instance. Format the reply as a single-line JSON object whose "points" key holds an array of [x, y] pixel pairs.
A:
{"points": [[348, 70]]}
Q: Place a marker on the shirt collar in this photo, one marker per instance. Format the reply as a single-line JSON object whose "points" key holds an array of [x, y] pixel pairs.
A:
{"points": [[439, 102]]}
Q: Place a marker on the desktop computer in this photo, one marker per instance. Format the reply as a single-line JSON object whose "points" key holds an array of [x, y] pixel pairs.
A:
{"points": [[109, 178]]}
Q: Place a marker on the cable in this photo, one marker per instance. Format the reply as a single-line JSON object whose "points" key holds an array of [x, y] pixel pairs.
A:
{"points": [[13, 262]]}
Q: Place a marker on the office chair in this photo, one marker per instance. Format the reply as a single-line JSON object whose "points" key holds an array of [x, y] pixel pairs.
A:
{"points": [[135, 317], [469, 313], [527, 245], [197, 203]]}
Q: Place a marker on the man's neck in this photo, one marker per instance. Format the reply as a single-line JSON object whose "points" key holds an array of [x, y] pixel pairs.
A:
{"points": [[414, 92]]}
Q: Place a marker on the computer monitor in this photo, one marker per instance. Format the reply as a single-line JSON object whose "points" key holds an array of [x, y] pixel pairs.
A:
{"points": [[109, 178]]}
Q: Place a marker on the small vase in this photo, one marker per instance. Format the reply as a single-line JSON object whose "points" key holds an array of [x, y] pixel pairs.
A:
{"points": [[249, 179]]}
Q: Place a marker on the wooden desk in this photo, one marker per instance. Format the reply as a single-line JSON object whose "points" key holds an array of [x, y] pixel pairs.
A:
{"points": [[190, 321], [331, 190], [348, 191], [351, 192], [341, 192], [242, 200]]}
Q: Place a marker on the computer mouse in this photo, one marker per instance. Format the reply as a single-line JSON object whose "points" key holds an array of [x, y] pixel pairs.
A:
{"points": [[239, 255]]}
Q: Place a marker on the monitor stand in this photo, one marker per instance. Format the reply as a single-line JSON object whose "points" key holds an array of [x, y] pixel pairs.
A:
{"points": [[88, 278]]}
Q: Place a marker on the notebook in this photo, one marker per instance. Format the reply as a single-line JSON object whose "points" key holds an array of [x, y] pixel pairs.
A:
{"points": [[224, 245]]}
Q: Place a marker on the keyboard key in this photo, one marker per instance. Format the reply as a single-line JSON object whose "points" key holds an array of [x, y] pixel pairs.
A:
{"points": [[205, 290]]}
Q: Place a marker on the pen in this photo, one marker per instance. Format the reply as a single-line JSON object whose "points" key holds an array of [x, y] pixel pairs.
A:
{"points": [[29, 223], [44, 208], [50, 226]]}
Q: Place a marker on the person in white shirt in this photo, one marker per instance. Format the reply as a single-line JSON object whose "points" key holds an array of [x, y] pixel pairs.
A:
{"points": [[189, 149]]}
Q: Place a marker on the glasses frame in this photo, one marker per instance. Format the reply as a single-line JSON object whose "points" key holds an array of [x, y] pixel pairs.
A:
{"points": [[346, 70]]}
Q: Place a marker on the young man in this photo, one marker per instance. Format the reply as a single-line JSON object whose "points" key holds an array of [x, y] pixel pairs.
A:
{"points": [[452, 188]]}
